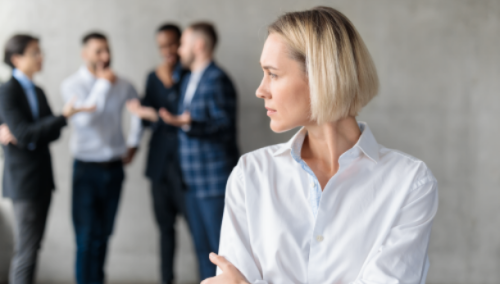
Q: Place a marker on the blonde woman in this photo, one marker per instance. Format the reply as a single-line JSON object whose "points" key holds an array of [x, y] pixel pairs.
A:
{"points": [[331, 205]]}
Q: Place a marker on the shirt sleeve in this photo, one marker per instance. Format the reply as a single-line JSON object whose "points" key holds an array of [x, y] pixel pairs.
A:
{"points": [[403, 256], [235, 240], [96, 97], [135, 133]]}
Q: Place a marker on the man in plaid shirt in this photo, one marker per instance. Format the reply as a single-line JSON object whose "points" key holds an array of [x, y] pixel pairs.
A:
{"points": [[207, 139]]}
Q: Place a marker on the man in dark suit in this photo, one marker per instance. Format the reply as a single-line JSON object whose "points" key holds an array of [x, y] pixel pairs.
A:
{"points": [[27, 127], [207, 139], [162, 168]]}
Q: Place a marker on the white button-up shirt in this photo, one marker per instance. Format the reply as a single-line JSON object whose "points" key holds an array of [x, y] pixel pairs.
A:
{"points": [[98, 136], [372, 226]]}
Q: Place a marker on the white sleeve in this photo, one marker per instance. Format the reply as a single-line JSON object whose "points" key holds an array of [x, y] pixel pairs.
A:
{"points": [[96, 97], [235, 243], [136, 129], [403, 257]]}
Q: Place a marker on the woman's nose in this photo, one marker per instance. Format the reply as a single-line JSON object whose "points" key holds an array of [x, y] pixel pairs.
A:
{"points": [[262, 91]]}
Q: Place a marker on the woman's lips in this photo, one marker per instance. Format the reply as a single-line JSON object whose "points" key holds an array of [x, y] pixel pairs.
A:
{"points": [[270, 111]]}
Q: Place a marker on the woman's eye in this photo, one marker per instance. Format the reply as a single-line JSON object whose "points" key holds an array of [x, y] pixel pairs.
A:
{"points": [[273, 76]]}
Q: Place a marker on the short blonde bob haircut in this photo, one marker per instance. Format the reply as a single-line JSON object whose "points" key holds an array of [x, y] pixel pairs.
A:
{"points": [[341, 73]]}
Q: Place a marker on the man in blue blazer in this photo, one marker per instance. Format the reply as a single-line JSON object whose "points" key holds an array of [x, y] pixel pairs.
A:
{"points": [[207, 139]]}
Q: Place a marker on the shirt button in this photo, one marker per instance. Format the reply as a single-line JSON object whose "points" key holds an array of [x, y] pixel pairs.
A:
{"points": [[319, 238], [312, 183]]}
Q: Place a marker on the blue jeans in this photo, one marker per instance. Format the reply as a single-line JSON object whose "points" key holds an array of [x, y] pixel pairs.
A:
{"points": [[205, 220], [96, 194]]}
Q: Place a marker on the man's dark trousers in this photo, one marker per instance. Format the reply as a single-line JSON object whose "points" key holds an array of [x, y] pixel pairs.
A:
{"points": [[96, 195]]}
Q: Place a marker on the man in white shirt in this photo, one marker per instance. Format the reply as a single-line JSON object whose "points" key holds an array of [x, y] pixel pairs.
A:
{"points": [[100, 151]]}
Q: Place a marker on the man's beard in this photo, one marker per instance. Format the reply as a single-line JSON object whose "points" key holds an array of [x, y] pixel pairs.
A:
{"points": [[187, 62]]}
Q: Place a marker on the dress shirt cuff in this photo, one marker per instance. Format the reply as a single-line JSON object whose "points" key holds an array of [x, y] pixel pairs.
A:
{"points": [[132, 144], [133, 141]]}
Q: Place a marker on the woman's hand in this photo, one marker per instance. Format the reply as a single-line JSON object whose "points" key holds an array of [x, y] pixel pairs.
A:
{"points": [[230, 274], [147, 113], [175, 120]]}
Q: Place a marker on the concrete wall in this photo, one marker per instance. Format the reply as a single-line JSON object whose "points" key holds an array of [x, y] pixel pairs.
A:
{"points": [[439, 66]]}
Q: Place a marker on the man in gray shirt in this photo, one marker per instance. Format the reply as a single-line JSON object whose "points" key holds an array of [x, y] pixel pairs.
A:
{"points": [[100, 151]]}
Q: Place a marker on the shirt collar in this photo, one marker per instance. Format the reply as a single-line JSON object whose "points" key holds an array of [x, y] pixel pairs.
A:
{"points": [[22, 79], [200, 72], [366, 143], [295, 142]]}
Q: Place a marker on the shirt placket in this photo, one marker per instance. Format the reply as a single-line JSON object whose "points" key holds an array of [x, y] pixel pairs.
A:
{"points": [[318, 238], [314, 192]]}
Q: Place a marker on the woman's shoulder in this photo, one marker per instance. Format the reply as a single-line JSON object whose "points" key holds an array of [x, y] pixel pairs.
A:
{"points": [[151, 76], [260, 161], [265, 154], [254, 167], [405, 165]]}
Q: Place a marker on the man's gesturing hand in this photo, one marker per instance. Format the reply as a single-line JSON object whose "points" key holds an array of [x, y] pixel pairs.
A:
{"points": [[175, 120], [6, 137], [69, 108], [230, 274]]}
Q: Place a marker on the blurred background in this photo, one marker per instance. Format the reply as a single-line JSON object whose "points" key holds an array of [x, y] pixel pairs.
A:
{"points": [[439, 68]]}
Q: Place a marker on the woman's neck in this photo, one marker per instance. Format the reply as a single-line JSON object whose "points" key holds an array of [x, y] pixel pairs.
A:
{"points": [[325, 143], [167, 67], [164, 72]]}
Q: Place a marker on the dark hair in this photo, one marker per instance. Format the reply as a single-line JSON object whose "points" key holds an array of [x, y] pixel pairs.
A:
{"points": [[207, 30], [93, 35], [16, 45], [170, 27]]}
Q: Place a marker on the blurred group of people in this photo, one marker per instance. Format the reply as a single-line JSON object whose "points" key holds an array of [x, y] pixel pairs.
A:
{"points": [[189, 104]]}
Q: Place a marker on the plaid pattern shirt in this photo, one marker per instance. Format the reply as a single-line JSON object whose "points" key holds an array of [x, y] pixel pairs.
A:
{"points": [[208, 149]]}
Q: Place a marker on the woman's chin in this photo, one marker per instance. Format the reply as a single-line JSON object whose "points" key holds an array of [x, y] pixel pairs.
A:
{"points": [[277, 127]]}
